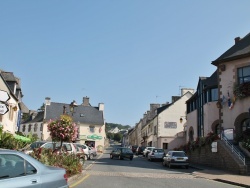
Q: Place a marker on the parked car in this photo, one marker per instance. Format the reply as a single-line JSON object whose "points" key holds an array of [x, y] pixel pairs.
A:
{"points": [[146, 151], [29, 148], [156, 154], [66, 146], [176, 158], [133, 148], [85, 149], [121, 153], [92, 152], [21, 170], [139, 150]]}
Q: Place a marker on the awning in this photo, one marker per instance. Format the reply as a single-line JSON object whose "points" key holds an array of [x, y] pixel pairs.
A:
{"points": [[23, 138]]}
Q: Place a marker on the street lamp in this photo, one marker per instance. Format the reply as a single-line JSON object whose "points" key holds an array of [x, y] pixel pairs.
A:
{"points": [[182, 119]]}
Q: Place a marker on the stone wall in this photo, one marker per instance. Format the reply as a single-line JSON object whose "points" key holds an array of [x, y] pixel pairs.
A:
{"points": [[222, 159]]}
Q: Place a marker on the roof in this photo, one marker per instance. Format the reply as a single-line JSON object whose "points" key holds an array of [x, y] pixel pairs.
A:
{"points": [[240, 49], [211, 81], [9, 76], [24, 108], [82, 114]]}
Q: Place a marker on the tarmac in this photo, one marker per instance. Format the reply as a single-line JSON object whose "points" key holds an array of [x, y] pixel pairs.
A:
{"points": [[200, 171]]}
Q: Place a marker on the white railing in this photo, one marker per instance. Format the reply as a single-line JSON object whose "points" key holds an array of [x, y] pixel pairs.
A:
{"points": [[234, 150]]}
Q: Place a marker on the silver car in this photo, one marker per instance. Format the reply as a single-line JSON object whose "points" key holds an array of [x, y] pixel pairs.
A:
{"points": [[156, 154], [18, 169], [176, 158]]}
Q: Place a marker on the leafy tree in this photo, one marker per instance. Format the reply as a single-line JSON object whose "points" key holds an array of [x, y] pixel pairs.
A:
{"points": [[63, 129], [117, 137], [110, 136]]}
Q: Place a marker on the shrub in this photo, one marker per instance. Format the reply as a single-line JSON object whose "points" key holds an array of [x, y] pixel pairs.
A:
{"points": [[70, 162]]}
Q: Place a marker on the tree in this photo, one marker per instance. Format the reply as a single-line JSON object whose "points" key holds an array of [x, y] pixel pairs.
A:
{"points": [[117, 137], [63, 129]]}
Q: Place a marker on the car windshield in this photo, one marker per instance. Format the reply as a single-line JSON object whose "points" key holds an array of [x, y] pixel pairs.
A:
{"points": [[179, 154]]}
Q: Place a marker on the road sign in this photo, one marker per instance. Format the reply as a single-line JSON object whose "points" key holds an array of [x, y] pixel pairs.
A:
{"points": [[4, 96], [3, 109]]}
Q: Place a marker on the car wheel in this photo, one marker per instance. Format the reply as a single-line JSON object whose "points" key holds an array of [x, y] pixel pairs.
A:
{"points": [[91, 156], [111, 156], [131, 158], [186, 166], [120, 157], [85, 157], [169, 165], [163, 163]]}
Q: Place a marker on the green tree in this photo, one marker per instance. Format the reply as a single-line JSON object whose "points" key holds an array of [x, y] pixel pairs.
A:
{"points": [[117, 137]]}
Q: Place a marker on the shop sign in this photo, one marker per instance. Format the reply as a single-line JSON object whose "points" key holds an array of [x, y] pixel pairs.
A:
{"points": [[94, 137]]}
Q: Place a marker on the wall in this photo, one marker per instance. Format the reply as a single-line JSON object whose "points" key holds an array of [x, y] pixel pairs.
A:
{"points": [[222, 159], [211, 114], [191, 122], [227, 80]]}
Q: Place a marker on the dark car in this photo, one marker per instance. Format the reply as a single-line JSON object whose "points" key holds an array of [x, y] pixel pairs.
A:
{"points": [[121, 153], [133, 148], [139, 150]]}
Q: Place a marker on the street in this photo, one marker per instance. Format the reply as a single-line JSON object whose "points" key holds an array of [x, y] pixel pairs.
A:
{"points": [[105, 173]]}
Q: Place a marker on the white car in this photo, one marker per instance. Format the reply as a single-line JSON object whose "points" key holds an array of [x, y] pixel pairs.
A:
{"points": [[176, 158], [156, 154], [146, 151]]}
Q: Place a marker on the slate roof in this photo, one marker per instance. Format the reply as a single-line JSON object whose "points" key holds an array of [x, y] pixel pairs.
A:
{"points": [[83, 114], [38, 118], [9, 76], [211, 81], [239, 50]]}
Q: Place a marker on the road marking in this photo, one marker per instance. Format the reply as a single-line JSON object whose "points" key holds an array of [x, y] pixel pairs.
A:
{"points": [[80, 181]]}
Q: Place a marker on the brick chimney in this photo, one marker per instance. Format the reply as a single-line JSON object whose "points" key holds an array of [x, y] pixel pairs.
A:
{"points": [[85, 101], [237, 39]]}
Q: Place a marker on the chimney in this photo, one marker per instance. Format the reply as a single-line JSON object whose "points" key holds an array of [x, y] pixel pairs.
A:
{"points": [[237, 39], [47, 101], [101, 107], [86, 101]]}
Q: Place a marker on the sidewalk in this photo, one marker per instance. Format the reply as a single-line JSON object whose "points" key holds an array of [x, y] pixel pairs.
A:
{"points": [[221, 175]]}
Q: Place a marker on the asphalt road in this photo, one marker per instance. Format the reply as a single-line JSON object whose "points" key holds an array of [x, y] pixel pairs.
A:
{"points": [[107, 173]]}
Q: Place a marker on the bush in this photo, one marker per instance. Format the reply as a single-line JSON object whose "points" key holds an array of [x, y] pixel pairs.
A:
{"points": [[70, 162]]}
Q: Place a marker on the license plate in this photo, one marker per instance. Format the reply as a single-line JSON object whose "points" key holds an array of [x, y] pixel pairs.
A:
{"points": [[179, 158]]}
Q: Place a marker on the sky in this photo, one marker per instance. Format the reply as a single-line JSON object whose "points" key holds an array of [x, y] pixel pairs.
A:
{"points": [[126, 54]]}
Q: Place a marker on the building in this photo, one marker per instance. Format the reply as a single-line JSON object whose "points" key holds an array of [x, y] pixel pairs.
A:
{"points": [[233, 69], [89, 119], [10, 84], [202, 111]]}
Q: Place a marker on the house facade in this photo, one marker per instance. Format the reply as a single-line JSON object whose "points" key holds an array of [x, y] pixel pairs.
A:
{"points": [[233, 68], [163, 125], [202, 110], [89, 119], [10, 84]]}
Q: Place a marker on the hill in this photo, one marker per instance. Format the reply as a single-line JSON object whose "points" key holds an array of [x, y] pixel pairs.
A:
{"points": [[110, 126]]}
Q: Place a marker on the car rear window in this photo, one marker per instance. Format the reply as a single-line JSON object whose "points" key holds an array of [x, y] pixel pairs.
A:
{"points": [[179, 154], [158, 150]]}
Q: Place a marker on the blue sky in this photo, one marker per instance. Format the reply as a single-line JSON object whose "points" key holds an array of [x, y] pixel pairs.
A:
{"points": [[123, 53]]}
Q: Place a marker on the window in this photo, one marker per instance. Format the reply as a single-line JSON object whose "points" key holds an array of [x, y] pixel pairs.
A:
{"points": [[35, 127], [244, 74], [92, 129], [29, 128], [24, 126], [15, 166], [214, 94], [41, 127], [165, 146]]}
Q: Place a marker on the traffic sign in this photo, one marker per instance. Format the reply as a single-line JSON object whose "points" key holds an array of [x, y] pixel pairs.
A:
{"points": [[4, 96], [3, 109]]}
